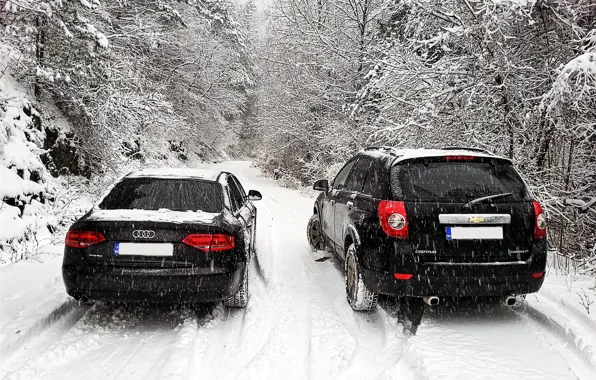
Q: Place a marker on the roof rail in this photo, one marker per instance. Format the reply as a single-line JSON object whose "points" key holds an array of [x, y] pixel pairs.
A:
{"points": [[479, 150], [388, 149]]}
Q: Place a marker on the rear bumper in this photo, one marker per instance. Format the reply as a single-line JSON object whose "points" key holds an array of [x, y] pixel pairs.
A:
{"points": [[423, 285], [163, 285]]}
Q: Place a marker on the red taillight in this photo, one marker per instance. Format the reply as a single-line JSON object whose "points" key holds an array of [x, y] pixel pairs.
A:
{"points": [[83, 239], [403, 276], [210, 242], [459, 158], [539, 221], [538, 274], [393, 218], [222, 242]]}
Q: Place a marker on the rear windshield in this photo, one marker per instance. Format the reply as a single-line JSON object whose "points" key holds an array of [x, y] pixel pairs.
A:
{"points": [[456, 181], [171, 194]]}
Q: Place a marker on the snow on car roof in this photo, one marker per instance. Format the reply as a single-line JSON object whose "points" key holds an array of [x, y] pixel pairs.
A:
{"points": [[406, 154], [206, 174]]}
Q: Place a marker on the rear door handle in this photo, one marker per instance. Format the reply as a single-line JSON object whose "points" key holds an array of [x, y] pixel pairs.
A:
{"points": [[350, 204]]}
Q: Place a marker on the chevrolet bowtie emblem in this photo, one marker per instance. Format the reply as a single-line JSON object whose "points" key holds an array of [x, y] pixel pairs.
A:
{"points": [[476, 219]]}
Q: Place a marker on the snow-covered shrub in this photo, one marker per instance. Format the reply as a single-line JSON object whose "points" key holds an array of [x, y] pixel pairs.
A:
{"points": [[24, 187]]}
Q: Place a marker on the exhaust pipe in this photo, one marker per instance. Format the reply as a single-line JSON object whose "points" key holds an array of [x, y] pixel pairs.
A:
{"points": [[509, 300], [431, 300]]}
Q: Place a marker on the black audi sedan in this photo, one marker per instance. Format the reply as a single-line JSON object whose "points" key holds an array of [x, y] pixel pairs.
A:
{"points": [[165, 235]]}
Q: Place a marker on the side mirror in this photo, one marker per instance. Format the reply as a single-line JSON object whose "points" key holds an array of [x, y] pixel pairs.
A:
{"points": [[254, 195], [321, 185]]}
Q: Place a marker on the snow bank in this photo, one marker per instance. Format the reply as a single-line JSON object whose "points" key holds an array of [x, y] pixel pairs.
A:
{"points": [[24, 179], [565, 305], [33, 204]]}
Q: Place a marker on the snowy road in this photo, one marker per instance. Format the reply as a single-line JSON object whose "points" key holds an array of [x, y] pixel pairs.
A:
{"points": [[297, 326]]}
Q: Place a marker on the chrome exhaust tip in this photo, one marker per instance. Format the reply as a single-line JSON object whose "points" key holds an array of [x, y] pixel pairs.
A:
{"points": [[509, 300], [431, 300]]}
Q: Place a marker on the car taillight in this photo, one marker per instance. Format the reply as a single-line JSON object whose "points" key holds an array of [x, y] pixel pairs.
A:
{"points": [[83, 239], [210, 242], [537, 275], [403, 276], [539, 221], [393, 218]]}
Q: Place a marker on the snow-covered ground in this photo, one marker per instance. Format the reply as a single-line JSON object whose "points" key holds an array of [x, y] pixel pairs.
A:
{"points": [[297, 325]]}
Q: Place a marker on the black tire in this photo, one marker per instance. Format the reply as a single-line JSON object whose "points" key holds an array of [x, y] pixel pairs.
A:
{"points": [[253, 248], [240, 298], [359, 296], [314, 234]]}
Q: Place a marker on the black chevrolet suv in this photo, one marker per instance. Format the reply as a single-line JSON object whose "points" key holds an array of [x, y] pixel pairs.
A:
{"points": [[431, 223]]}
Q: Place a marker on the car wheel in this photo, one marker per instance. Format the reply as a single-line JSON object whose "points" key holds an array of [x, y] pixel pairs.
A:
{"points": [[253, 248], [240, 298], [315, 234], [359, 296]]}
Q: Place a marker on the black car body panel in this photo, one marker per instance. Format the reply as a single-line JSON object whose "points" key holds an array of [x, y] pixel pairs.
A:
{"points": [[439, 266], [188, 275]]}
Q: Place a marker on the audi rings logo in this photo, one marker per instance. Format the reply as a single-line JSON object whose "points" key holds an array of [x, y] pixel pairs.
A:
{"points": [[143, 234]]}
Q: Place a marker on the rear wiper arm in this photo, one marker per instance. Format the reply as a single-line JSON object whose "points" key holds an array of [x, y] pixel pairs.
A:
{"points": [[487, 198]]}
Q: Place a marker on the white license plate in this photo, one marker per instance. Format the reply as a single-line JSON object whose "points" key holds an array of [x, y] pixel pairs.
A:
{"points": [[143, 249], [474, 233]]}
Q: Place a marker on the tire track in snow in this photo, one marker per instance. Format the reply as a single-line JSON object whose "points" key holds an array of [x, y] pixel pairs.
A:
{"points": [[369, 353], [41, 335], [62, 312], [180, 353], [113, 341], [568, 334], [488, 341]]}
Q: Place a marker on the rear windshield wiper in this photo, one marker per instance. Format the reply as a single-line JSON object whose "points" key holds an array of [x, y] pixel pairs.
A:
{"points": [[487, 198]]}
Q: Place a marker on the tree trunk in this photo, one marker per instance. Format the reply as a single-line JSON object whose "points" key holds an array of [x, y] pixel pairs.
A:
{"points": [[40, 41]]}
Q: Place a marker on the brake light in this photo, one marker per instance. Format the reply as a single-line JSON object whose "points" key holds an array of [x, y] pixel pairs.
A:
{"points": [[83, 239], [459, 158], [210, 242], [538, 275], [403, 276], [393, 218], [539, 221]]}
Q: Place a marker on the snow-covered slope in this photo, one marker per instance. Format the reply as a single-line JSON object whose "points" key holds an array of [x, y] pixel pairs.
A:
{"points": [[24, 179], [297, 325]]}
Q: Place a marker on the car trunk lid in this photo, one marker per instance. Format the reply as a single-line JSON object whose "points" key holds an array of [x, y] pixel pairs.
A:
{"points": [[451, 215], [152, 241]]}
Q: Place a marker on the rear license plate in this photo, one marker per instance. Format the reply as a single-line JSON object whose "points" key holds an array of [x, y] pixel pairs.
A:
{"points": [[474, 233], [143, 249]]}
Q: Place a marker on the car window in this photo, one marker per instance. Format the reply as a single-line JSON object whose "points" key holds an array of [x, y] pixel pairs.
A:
{"points": [[372, 185], [357, 176], [235, 196], [456, 181], [240, 188], [159, 193], [342, 176]]}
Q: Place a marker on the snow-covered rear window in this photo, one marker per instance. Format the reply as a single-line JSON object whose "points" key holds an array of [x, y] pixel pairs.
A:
{"points": [[160, 193], [456, 181]]}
